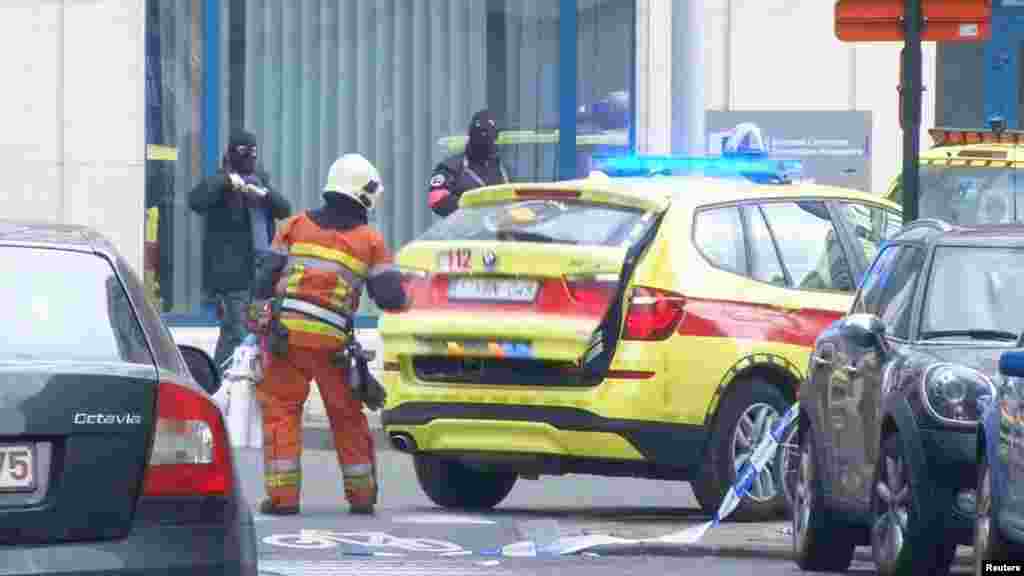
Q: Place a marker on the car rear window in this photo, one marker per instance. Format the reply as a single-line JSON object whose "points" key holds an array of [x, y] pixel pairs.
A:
{"points": [[65, 306], [553, 221]]}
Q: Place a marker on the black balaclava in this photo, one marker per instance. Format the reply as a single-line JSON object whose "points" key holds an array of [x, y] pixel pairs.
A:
{"points": [[339, 213], [241, 153], [483, 137]]}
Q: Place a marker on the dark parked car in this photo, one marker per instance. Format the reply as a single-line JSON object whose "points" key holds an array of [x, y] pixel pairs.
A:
{"points": [[999, 528], [113, 458], [889, 415]]}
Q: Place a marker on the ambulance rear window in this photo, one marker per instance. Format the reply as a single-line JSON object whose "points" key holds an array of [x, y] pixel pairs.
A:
{"points": [[549, 221]]}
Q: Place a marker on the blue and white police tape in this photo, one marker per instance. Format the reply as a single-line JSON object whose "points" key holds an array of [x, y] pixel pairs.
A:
{"points": [[754, 466]]}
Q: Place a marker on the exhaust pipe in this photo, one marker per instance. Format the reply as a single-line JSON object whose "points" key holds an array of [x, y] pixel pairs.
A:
{"points": [[403, 442]]}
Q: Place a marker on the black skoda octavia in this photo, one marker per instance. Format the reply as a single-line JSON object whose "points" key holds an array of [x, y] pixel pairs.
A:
{"points": [[113, 458], [889, 413]]}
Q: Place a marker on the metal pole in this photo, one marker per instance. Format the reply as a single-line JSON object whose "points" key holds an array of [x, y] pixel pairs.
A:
{"points": [[911, 91]]}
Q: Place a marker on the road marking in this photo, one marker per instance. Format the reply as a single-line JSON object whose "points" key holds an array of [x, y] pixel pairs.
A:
{"points": [[323, 539], [441, 519], [364, 568]]}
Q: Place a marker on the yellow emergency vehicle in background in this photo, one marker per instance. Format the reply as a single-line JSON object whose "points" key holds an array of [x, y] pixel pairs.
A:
{"points": [[970, 176], [653, 326]]}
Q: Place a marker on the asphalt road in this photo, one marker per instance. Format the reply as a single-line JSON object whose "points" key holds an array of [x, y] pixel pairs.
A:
{"points": [[410, 536]]}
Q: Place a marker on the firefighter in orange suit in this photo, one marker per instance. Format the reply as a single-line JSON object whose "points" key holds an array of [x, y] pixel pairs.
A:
{"points": [[326, 256]]}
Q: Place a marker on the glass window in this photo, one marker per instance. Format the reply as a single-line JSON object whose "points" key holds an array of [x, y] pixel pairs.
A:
{"points": [[869, 295], [94, 322], [603, 79], [966, 195], [993, 288], [718, 234], [540, 221], [808, 243], [871, 226], [764, 259], [164, 348], [896, 299], [395, 81]]}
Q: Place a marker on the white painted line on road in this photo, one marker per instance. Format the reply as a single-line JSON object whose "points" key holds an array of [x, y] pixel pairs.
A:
{"points": [[323, 539], [441, 519], [366, 568]]}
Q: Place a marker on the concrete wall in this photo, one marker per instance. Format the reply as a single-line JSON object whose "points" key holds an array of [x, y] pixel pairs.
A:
{"points": [[72, 110], [783, 55]]}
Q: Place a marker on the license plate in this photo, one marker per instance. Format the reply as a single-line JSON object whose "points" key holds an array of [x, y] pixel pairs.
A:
{"points": [[492, 290], [17, 468]]}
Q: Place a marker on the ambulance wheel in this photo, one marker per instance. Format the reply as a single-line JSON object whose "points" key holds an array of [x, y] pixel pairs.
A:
{"points": [[746, 414], [451, 484]]}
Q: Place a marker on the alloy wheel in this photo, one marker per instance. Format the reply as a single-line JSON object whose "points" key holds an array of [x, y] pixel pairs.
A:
{"points": [[893, 505], [803, 491], [789, 457], [754, 424]]}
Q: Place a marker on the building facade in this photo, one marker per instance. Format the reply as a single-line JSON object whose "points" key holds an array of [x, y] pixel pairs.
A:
{"points": [[119, 107]]}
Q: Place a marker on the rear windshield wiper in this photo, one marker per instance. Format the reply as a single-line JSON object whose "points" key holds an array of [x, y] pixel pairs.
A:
{"points": [[975, 334], [524, 236]]}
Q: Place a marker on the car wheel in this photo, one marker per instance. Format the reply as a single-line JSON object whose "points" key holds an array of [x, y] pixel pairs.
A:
{"points": [[787, 463], [820, 544], [451, 484], [746, 415], [907, 535], [990, 545]]}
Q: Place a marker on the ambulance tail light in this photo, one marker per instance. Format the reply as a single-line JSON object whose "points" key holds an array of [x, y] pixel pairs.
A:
{"points": [[653, 314], [416, 284], [592, 294]]}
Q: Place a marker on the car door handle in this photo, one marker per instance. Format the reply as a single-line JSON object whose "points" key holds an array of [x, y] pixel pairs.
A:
{"points": [[823, 360], [850, 369]]}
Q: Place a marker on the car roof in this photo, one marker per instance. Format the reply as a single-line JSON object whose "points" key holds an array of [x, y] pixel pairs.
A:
{"points": [[659, 191], [53, 235], [936, 232]]}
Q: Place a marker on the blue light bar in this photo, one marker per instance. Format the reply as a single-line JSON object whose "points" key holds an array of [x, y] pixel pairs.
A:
{"points": [[757, 168]]}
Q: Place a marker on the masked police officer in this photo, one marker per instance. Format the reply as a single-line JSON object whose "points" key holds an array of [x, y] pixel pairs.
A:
{"points": [[478, 166]]}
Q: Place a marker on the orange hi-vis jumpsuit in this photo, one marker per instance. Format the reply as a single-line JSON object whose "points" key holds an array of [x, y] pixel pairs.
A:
{"points": [[321, 286]]}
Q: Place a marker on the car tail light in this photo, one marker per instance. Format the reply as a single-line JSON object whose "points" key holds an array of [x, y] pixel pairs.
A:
{"points": [[190, 446], [653, 314], [413, 283], [592, 294]]}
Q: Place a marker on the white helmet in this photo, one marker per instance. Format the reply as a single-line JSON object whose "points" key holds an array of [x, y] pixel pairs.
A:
{"points": [[354, 176]]}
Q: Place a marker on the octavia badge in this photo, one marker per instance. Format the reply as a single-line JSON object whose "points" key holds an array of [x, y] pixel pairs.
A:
{"points": [[490, 259]]}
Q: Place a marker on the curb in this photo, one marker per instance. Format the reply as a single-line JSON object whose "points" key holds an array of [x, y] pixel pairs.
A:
{"points": [[725, 551]]}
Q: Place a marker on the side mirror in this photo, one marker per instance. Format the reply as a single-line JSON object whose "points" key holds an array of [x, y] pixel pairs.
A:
{"points": [[865, 330], [1011, 364], [202, 367]]}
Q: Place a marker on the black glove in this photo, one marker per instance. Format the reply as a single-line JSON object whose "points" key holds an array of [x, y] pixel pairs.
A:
{"points": [[365, 387]]}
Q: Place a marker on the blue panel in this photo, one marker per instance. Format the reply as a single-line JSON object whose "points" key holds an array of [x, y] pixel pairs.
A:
{"points": [[567, 90], [211, 86], [1001, 71]]}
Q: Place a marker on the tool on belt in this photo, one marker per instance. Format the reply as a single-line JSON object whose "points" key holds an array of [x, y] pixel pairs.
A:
{"points": [[265, 311], [365, 387]]}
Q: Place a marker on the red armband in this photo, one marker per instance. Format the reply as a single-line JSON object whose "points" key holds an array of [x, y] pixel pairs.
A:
{"points": [[437, 195]]}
